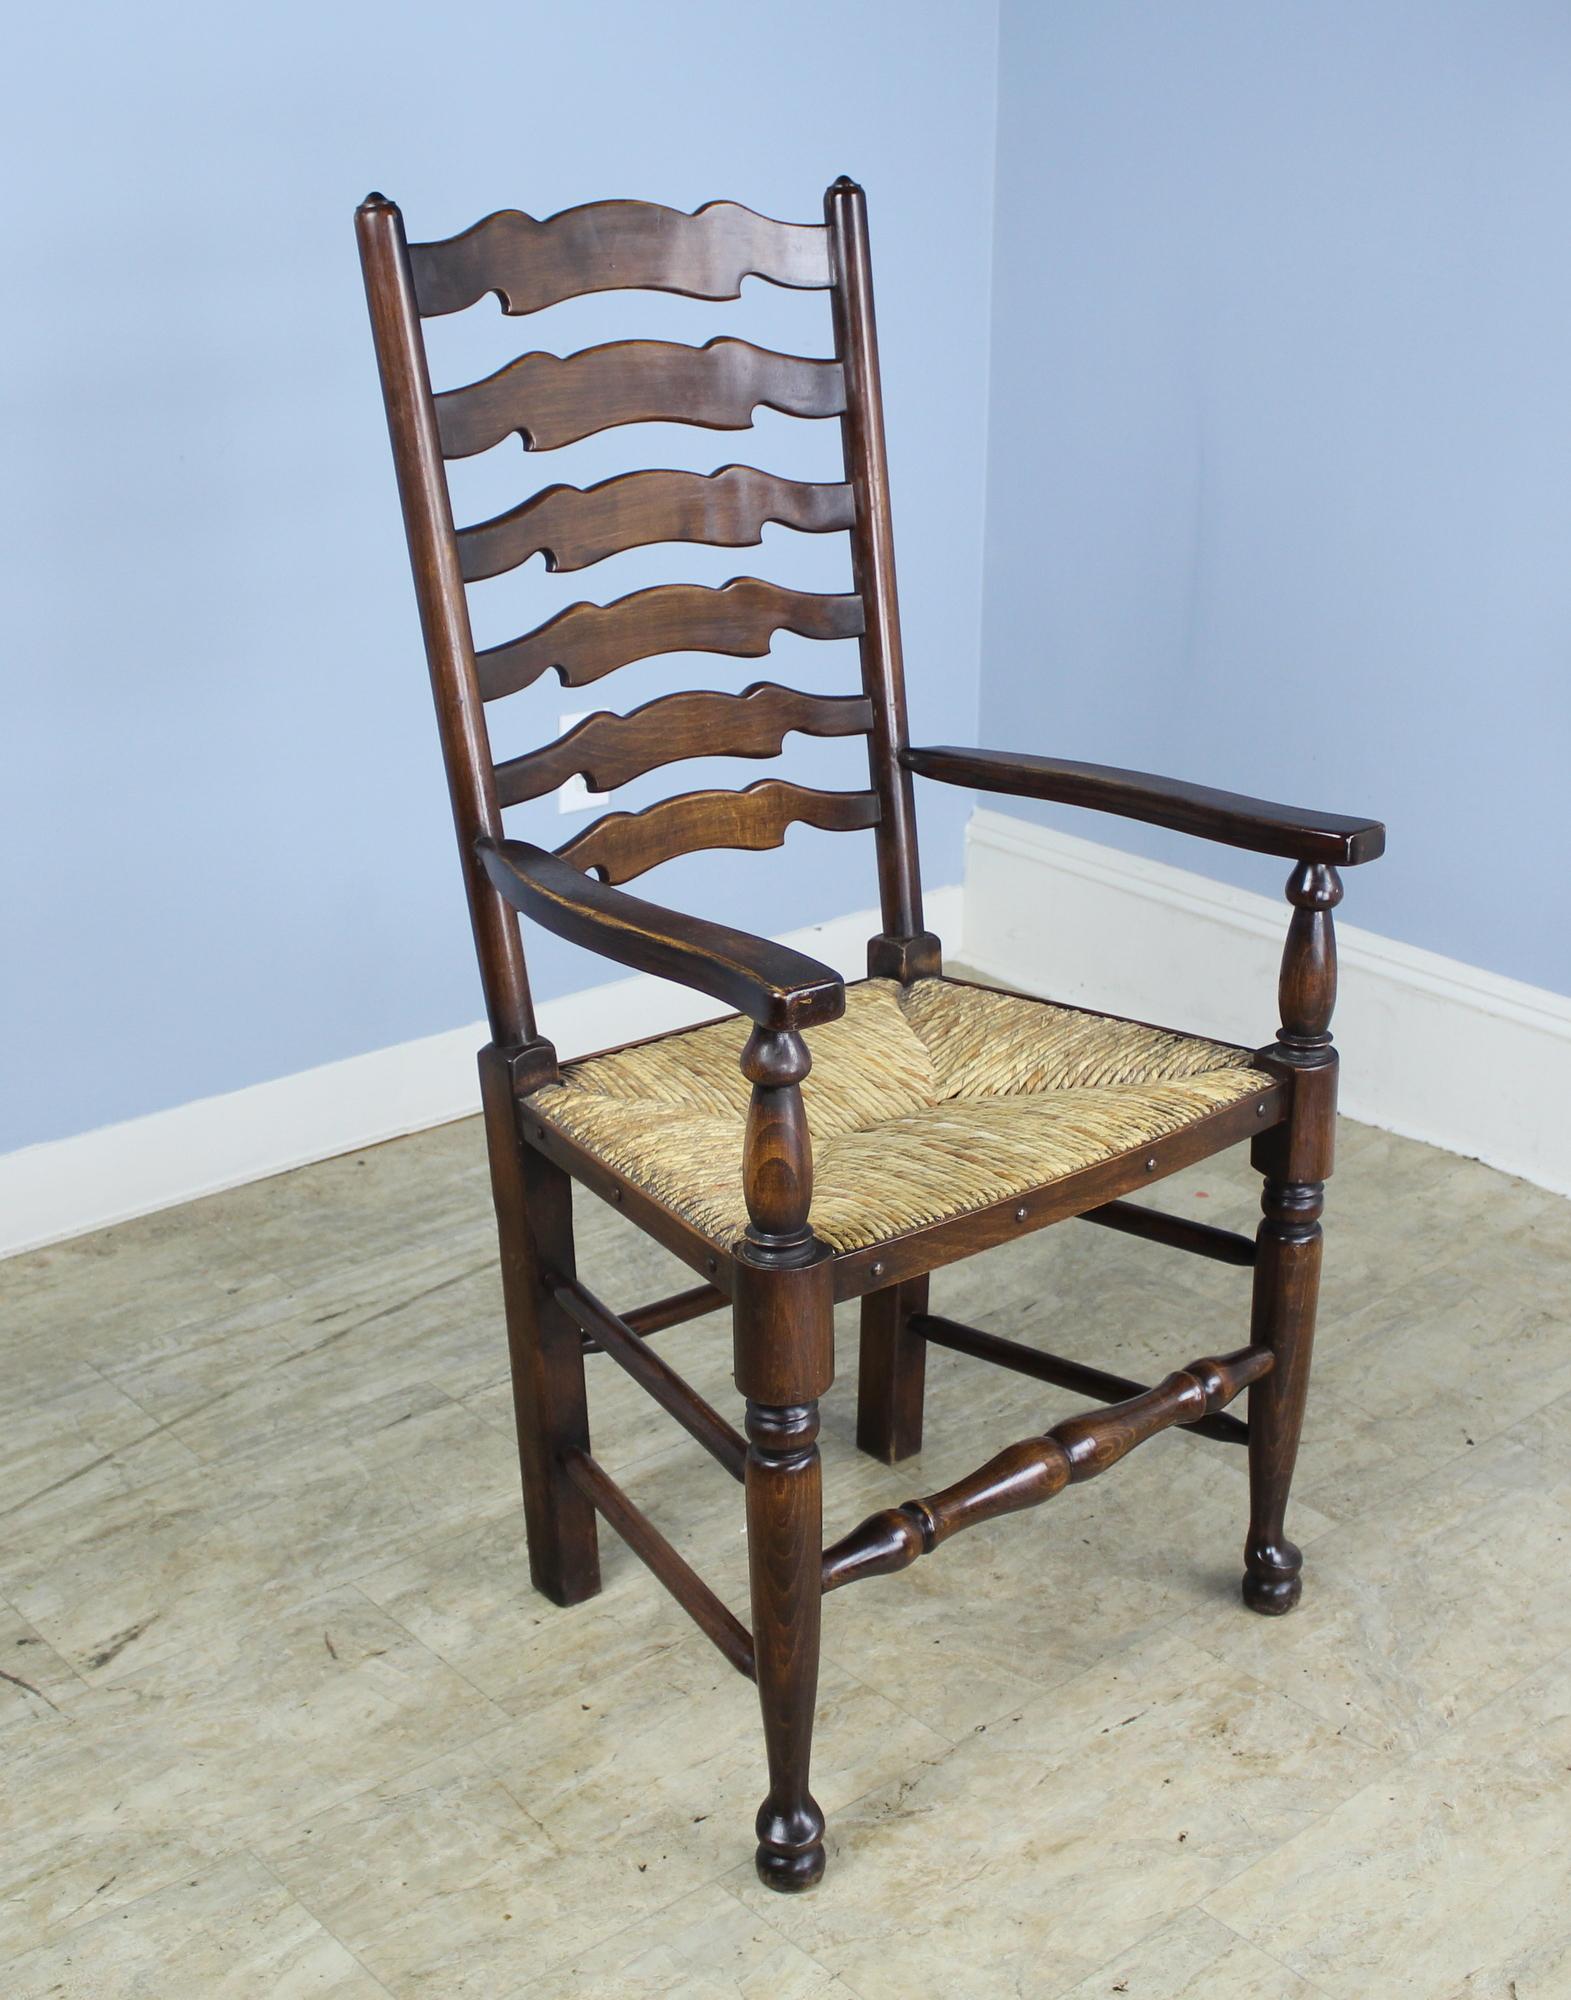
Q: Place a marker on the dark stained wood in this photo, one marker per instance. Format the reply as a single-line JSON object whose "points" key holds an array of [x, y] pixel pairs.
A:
{"points": [[873, 567], [892, 1372], [622, 845], [587, 641], [784, 1533], [674, 1311], [444, 611], [1074, 1375], [1025, 1474], [858, 1272], [607, 246], [1227, 817], [713, 1618], [770, 983], [651, 1372], [646, 1212], [574, 526], [1296, 1161], [1306, 986], [1178, 1232], [777, 1153], [783, 1283], [534, 1215], [608, 750], [550, 400], [783, 1332]]}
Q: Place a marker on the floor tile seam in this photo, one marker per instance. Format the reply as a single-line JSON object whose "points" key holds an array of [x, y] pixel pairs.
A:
{"points": [[1110, 1964], [277, 1836], [1283, 1693], [1401, 1764], [168, 1425], [310, 1588], [622, 1930], [59, 1930], [83, 1685], [320, 1922], [1128, 1643], [1318, 1991], [441, 1659], [724, 1884], [1407, 1487]]}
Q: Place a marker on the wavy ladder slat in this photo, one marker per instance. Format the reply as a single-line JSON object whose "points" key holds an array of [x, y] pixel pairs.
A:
{"points": [[622, 845], [609, 246], [552, 399], [608, 750], [574, 526], [1024, 1475], [587, 641]]}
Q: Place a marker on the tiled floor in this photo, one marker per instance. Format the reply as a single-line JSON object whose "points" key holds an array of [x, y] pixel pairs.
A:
{"points": [[281, 1718]]}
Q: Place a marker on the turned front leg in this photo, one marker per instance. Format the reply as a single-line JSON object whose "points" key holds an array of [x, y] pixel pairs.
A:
{"points": [[783, 1308], [1295, 1159], [784, 1542]]}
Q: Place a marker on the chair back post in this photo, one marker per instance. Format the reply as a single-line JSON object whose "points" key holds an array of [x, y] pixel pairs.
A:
{"points": [[904, 950], [444, 612]]}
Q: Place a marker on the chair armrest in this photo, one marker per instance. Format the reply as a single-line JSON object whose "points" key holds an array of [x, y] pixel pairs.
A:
{"points": [[1228, 817], [775, 987]]}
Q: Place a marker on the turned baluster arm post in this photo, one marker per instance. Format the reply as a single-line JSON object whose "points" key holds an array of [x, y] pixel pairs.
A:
{"points": [[1295, 1159]]}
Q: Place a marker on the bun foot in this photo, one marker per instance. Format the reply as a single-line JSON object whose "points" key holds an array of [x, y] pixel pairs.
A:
{"points": [[1273, 1579], [790, 1849]]}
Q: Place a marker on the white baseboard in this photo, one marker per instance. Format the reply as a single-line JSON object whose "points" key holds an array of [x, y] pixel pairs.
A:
{"points": [[93, 1179], [1432, 1049]]}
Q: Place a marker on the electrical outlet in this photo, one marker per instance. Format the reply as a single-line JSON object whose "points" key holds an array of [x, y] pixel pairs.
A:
{"points": [[575, 796]]}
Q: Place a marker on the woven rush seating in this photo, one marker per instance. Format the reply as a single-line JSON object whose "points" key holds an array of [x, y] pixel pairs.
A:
{"points": [[924, 1102]]}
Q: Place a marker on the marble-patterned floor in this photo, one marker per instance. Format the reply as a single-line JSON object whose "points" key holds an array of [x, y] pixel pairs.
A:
{"points": [[279, 1716]]}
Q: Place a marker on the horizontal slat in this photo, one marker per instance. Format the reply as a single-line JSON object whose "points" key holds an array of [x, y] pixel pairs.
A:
{"points": [[740, 617], [1054, 1368], [1179, 1232], [623, 845], [608, 246], [715, 1620], [674, 1311], [552, 399], [676, 1397], [608, 750], [574, 526]]}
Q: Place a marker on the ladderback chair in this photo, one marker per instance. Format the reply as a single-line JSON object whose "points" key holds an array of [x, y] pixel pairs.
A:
{"points": [[946, 1117]]}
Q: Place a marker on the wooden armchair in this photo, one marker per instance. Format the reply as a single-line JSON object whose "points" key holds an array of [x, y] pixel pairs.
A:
{"points": [[946, 1117]]}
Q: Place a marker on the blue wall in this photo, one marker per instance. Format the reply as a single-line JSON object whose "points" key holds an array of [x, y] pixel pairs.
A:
{"points": [[226, 838], [1280, 455], [1278, 463]]}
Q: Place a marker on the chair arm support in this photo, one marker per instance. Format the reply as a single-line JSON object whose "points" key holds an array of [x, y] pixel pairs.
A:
{"points": [[1227, 817], [779, 989]]}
